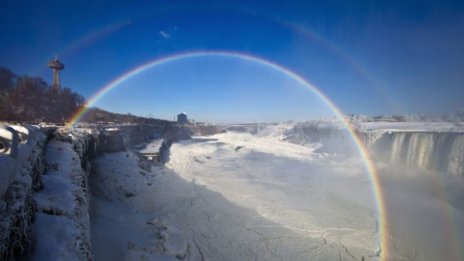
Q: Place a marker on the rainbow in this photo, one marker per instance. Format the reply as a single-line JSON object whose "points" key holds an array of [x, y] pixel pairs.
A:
{"points": [[377, 189]]}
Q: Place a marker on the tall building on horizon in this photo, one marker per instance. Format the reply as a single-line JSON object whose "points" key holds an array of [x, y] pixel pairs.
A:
{"points": [[182, 118], [57, 66]]}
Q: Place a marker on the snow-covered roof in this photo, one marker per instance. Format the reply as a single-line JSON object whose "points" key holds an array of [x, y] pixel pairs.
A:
{"points": [[153, 147]]}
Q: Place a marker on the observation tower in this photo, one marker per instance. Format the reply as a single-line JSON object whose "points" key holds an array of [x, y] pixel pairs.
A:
{"points": [[57, 66]]}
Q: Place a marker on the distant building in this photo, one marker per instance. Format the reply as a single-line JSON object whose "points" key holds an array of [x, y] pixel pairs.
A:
{"points": [[182, 118]]}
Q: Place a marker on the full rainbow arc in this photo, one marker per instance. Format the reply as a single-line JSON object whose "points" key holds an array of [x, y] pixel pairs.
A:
{"points": [[377, 189]]}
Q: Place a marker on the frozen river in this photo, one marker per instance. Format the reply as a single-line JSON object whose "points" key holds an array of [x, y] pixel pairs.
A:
{"points": [[237, 196]]}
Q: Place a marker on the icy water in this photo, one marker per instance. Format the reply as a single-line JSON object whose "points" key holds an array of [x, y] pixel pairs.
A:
{"points": [[236, 197], [241, 197]]}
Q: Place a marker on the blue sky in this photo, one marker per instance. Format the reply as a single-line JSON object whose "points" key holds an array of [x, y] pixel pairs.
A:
{"points": [[369, 57]]}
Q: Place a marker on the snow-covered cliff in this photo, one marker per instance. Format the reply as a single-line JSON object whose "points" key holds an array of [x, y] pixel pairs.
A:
{"points": [[434, 146], [21, 166], [436, 151]]}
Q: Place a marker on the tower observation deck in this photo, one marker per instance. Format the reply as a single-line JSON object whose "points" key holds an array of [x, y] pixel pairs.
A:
{"points": [[57, 66]]}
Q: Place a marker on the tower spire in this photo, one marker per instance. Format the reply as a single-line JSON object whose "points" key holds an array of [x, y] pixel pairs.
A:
{"points": [[57, 66]]}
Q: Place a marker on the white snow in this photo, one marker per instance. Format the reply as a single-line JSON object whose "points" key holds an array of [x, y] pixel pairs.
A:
{"points": [[153, 146], [238, 196], [21, 161], [60, 231], [233, 197], [53, 238], [125, 225], [412, 126], [293, 191]]}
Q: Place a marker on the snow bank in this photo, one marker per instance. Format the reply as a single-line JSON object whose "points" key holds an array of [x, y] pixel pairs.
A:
{"points": [[226, 202], [123, 196], [19, 178], [293, 191], [62, 223], [326, 136], [309, 196], [269, 200], [411, 126]]}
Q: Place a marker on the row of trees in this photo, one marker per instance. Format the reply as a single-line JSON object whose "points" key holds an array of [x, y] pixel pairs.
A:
{"points": [[30, 99], [97, 115]]}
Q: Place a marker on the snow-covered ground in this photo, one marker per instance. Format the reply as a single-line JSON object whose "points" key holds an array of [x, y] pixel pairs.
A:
{"points": [[412, 126], [292, 191], [311, 206], [61, 225], [125, 222], [234, 197], [152, 147], [242, 196]]}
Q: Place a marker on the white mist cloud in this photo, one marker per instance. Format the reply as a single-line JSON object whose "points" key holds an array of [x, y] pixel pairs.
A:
{"points": [[165, 34], [168, 33]]}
